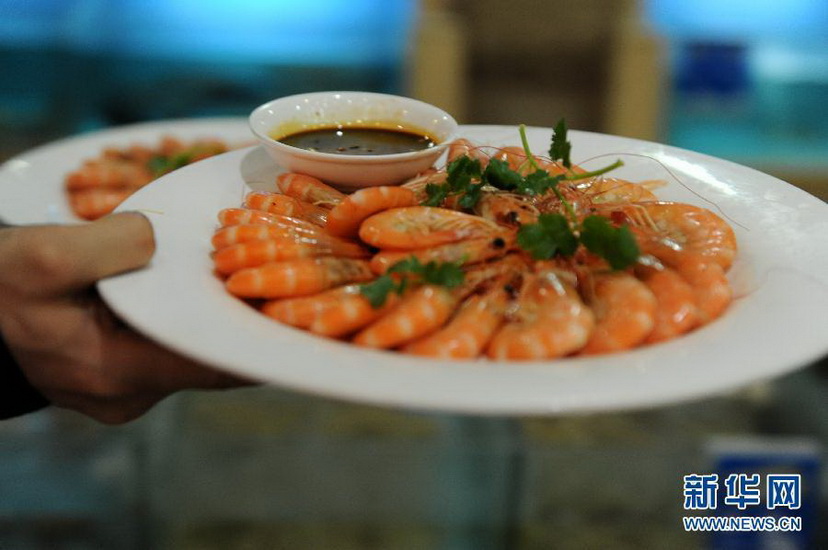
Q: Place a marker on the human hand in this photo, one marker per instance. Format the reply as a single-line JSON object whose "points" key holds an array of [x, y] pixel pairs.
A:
{"points": [[69, 346]]}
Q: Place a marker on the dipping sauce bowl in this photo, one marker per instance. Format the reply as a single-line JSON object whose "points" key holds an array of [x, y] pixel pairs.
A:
{"points": [[356, 163]]}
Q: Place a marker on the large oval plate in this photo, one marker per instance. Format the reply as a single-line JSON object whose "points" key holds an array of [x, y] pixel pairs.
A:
{"points": [[777, 323]]}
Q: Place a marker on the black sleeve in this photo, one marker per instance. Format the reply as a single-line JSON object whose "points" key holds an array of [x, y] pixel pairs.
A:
{"points": [[17, 396]]}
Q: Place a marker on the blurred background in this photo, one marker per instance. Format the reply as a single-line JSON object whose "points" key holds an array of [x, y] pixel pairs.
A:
{"points": [[264, 468]]}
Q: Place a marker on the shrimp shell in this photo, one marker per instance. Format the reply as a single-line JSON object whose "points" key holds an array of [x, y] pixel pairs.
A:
{"points": [[466, 252], [422, 311], [346, 217], [676, 311], [254, 253], [670, 228], [466, 335], [423, 226], [709, 283], [297, 277], [309, 189], [550, 321], [108, 173], [301, 312], [613, 190], [350, 314], [95, 202], [624, 309], [234, 234], [463, 147], [507, 209], [276, 203], [248, 216]]}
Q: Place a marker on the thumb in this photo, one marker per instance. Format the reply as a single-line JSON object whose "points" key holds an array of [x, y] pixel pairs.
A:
{"points": [[59, 259]]}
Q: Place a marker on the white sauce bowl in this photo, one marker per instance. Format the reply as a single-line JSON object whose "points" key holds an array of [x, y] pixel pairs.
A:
{"points": [[297, 113]]}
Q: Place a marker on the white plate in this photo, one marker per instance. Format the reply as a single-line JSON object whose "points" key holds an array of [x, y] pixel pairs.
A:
{"points": [[777, 323], [31, 184]]}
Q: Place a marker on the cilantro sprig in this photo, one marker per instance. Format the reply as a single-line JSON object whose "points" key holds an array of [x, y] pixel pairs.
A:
{"points": [[465, 176], [560, 148], [462, 177], [616, 245], [553, 236], [411, 271], [162, 164], [550, 236]]}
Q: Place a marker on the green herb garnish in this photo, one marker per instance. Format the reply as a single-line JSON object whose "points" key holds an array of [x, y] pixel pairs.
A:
{"points": [[162, 164], [465, 177], [561, 147], [377, 290], [411, 271], [554, 234], [461, 175], [551, 236], [538, 183], [615, 244], [499, 174]]}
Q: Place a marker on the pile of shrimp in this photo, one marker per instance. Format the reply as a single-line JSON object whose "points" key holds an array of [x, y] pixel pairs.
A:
{"points": [[102, 183], [302, 254]]}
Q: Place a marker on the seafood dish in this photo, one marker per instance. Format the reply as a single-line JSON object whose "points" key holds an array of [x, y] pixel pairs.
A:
{"points": [[102, 183], [498, 253]]}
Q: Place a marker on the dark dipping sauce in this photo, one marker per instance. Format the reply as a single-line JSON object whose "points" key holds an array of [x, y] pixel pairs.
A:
{"points": [[359, 141]]}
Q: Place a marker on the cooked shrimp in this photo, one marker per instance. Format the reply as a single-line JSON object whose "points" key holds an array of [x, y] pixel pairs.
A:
{"points": [[614, 190], [676, 310], [418, 183], [426, 308], [463, 147], [297, 277], [350, 314], [469, 331], [135, 152], [249, 216], [93, 203], [420, 312], [550, 321], [710, 285], [624, 311], [234, 234], [309, 189], [702, 271], [469, 251], [682, 227], [556, 168], [101, 183], [289, 228], [301, 312], [515, 156], [507, 209], [508, 304], [422, 226], [276, 203], [254, 253], [346, 217], [108, 173]]}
